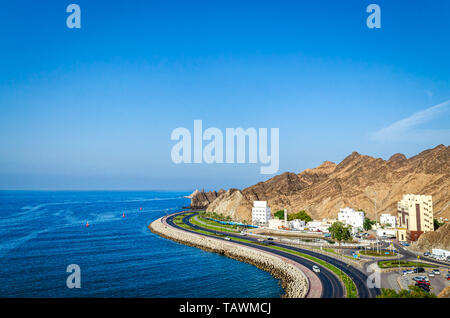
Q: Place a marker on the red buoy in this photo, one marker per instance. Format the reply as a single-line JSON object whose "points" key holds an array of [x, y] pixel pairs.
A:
{"points": [[140, 208], [123, 215], [87, 224]]}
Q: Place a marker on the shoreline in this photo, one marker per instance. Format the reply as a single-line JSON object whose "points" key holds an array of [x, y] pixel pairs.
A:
{"points": [[294, 281]]}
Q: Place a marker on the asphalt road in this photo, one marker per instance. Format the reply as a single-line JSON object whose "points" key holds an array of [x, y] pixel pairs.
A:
{"points": [[331, 285]]}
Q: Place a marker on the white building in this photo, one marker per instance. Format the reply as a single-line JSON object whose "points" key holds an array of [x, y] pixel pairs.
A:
{"points": [[387, 232], [275, 224], [387, 219], [260, 213], [297, 224], [351, 217], [440, 252], [315, 226], [415, 213]]}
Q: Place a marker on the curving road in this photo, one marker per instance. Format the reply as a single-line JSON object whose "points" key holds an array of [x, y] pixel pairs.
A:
{"points": [[332, 287]]}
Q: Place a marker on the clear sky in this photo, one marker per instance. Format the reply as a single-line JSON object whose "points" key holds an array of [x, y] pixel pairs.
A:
{"points": [[93, 108]]}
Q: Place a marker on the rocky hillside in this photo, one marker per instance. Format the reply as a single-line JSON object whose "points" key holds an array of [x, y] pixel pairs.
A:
{"points": [[358, 182], [201, 199], [430, 240]]}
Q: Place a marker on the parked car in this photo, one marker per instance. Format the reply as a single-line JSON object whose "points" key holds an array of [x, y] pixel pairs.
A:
{"points": [[316, 269], [227, 238], [423, 282], [419, 270], [423, 286], [431, 274], [436, 272], [260, 240], [426, 254], [420, 278], [447, 276], [270, 239]]}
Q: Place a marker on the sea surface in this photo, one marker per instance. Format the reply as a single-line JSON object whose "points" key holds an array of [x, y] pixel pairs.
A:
{"points": [[41, 233]]}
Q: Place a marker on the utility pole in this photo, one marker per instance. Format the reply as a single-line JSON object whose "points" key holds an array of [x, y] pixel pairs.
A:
{"points": [[376, 217]]}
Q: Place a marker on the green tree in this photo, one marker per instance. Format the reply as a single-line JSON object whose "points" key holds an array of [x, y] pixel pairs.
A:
{"points": [[368, 224], [413, 292], [301, 215], [279, 214], [340, 232], [437, 224]]}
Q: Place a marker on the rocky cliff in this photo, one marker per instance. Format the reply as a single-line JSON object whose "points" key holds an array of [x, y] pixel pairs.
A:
{"points": [[358, 182], [201, 199], [438, 239]]}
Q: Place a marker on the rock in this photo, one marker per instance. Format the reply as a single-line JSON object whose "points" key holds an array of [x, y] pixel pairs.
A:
{"points": [[323, 190], [201, 199], [445, 293], [294, 281], [437, 239]]}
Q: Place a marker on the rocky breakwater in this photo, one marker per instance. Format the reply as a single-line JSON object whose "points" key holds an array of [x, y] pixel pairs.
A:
{"points": [[295, 283]]}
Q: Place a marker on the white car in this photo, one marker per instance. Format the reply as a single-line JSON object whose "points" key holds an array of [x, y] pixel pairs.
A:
{"points": [[227, 238], [436, 272], [431, 274], [316, 269]]}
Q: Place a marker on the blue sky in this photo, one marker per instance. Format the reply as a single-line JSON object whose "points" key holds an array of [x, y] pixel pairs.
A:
{"points": [[94, 108]]}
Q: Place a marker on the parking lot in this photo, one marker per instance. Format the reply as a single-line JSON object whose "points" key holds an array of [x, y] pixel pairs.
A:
{"points": [[437, 283]]}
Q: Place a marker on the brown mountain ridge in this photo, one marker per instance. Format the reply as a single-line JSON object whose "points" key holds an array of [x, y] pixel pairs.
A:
{"points": [[358, 181]]}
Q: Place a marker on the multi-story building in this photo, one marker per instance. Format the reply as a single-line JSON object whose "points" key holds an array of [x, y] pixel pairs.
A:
{"points": [[260, 213], [415, 213], [387, 219], [351, 217]]}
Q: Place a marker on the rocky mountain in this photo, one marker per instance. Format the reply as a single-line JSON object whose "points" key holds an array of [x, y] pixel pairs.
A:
{"points": [[438, 239], [359, 181], [201, 199]]}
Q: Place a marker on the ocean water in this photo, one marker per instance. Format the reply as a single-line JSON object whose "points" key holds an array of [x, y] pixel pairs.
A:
{"points": [[41, 233]]}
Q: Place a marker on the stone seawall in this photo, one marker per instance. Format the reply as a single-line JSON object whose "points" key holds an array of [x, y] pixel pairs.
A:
{"points": [[294, 281]]}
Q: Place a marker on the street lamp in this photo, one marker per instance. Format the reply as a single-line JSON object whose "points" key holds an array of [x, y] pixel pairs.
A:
{"points": [[376, 217]]}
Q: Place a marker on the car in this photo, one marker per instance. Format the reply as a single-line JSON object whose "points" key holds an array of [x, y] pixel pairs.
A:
{"points": [[436, 272], [431, 274], [270, 239], [243, 233], [316, 269], [426, 254], [424, 287], [423, 282], [227, 238], [420, 278], [419, 270], [447, 276], [260, 240]]}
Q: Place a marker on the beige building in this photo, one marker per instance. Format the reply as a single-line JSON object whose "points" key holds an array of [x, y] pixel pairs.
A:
{"points": [[415, 213]]}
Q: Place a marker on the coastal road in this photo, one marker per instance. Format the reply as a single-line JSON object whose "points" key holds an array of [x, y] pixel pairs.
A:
{"points": [[331, 284], [358, 277]]}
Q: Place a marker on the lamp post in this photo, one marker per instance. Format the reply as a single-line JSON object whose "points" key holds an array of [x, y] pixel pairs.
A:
{"points": [[376, 217]]}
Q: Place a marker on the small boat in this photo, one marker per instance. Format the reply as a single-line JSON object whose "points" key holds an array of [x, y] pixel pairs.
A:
{"points": [[140, 209]]}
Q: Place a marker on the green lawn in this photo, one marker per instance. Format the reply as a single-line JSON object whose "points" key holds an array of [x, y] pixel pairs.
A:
{"points": [[213, 228], [214, 223], [378, 254], [393, 263]]}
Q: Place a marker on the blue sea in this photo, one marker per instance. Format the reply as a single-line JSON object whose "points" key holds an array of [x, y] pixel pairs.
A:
{"points": [[41, 233]]}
